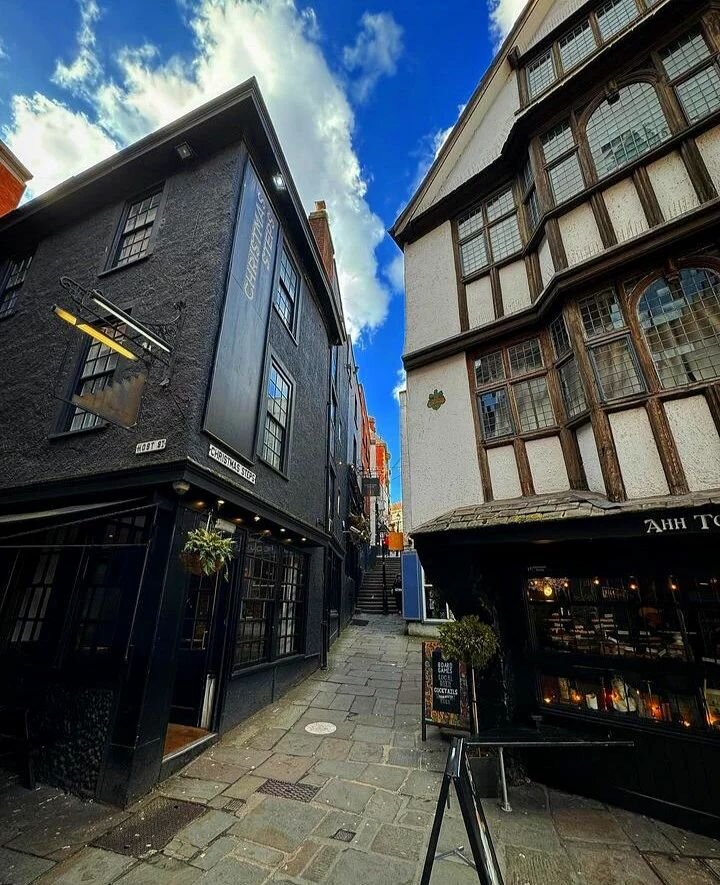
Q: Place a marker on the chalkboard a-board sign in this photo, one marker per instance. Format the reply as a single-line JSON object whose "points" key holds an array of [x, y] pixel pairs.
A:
{"points": [[445, 691]]}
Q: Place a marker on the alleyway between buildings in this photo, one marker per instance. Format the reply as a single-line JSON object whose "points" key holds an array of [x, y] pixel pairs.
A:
{"points": [[275, 802]]}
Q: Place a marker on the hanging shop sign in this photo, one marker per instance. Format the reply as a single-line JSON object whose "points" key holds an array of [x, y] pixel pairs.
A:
{"points": [[371, 486], [228, 461], [232, 405], [152, 445], [446, 699]]}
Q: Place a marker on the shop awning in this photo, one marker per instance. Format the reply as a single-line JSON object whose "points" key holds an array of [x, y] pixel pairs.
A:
{"points": [[38, 518]]}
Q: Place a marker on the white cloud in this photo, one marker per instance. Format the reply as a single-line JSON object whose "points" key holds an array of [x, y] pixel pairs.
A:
{"points": [[233, 40], [395, 272], [85, 68], [375, 52], [53, 141], [401, 384], [503, 14]]}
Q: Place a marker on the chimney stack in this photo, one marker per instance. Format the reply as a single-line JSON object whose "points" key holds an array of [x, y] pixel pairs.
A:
{"points": [[13, 179], [320, 227]]}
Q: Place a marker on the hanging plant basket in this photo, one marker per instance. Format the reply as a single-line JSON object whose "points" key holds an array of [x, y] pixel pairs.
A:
{"points": [[206, 552]]}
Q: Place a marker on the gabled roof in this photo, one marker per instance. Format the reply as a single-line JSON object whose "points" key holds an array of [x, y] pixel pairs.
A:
{"points": [[238, 114]]}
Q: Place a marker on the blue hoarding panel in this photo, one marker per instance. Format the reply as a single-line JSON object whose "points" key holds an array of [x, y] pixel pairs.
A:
{"points": [[412, 586]]}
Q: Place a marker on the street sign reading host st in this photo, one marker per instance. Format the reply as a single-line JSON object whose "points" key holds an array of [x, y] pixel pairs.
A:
{"points": [[152, 445]]}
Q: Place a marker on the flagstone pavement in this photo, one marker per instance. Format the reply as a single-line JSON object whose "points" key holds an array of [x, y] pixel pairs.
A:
{"points": [[371, 782]]}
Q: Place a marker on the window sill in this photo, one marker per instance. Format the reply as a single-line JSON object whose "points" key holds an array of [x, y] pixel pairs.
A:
{"points": [[65, 434], [239, 672], [291, 332], [117, 268], [274, 469]]}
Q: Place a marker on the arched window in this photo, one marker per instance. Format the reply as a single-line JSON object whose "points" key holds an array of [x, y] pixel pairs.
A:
{"points": [[681, 321], [626, 127]]}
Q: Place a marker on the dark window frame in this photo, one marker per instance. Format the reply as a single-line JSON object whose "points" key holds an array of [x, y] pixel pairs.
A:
{"points": [[711, 60], [482, 232], [111, 263], [295, 300], [281, 369], [10, 289]]}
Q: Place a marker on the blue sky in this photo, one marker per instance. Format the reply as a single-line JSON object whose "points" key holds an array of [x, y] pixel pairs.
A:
{"points": [[361, 94]]}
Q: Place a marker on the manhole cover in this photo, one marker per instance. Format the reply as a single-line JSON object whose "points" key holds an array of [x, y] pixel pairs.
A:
{"points": [[344, 835], [234, 805], [150, 829], [320, 728], [299, 792]]}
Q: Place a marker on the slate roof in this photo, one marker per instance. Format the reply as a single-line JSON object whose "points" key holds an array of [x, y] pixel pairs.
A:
{"points": [[553, 508]]}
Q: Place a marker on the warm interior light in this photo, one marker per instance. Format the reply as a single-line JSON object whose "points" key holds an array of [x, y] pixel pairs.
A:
{"points": [[107, 307], [282, 530], [256, 518], [94, 333], [596, 581], [303, 539], [547, 590]]}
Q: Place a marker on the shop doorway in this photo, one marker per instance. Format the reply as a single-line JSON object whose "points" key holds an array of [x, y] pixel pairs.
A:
{"points": [[199, 662]]}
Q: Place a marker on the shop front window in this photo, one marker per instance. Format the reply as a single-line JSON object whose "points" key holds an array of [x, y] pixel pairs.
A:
{"points": [[435, 608]]}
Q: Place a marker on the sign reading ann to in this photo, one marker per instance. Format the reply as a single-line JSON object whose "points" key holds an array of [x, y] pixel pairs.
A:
{"points": [[227, 461]]}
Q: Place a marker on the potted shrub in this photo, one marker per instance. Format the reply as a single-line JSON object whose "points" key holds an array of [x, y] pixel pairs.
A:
{"points": [[473, 642], [206, 552]]}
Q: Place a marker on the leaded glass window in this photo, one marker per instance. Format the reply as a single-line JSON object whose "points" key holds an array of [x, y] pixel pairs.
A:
{"points": [[495, 416], [559, 336], [488, 233], [614, 15], [576, 45], [16, 273], [601, 314], [540, 74], [616, 369], [681, 322], [620, 131], [137, 229], [489, 368], [277, 418], [571, 385], [525, 357], [532, 401], [562, 164], [693, 72]]}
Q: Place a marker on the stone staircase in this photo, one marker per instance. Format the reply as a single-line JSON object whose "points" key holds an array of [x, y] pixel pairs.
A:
{"points": [[370, 598]]}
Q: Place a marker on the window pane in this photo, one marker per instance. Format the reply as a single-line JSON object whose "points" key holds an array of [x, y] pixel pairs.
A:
{"points": [[572, 388], [276, 418], [533, 209], [533, 404], [495, 416], [566, 179], [540, 74], [525, 357], [681, 322], [631, 126], [700, 94], [556, 141], [601, 313], [286, 290], [615, 370], [500, 205], [614, 15], [135, 240], [489, 368], [470, 223], [505, 238], [473, 254], [576, 45], [95, 375], [257, 603], [526, 175], [559, 335], [684, 53]]}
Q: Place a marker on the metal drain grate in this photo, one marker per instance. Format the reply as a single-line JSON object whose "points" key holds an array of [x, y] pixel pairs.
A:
{"points": [[150, 829], [359, 622], [344, 835], [234, 805], [299, 792]]}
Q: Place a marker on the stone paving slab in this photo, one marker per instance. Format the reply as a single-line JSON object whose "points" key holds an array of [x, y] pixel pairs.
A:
{"points": [[376, 780]]}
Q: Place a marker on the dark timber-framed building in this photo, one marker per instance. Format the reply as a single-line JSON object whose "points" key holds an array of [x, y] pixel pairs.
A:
{"points": [[562, 266], [178, 292]]}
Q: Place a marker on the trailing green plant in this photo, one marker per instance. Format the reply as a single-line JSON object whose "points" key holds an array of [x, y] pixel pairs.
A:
{"points": [[210, 550], [469, 640]]}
